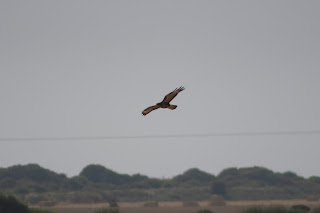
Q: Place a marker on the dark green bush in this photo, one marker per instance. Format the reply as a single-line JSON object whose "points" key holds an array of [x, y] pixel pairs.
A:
{"points": [[9, 204]]}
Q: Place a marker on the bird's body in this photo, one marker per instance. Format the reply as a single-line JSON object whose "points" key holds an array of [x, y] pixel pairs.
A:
{"points": [[165, 103]]}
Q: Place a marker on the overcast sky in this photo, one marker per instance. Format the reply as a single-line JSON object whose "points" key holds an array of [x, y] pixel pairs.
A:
{"points": [[88, 68]]}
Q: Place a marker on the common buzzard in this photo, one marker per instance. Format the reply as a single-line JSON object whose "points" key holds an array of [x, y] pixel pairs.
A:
{"points": [[165, 103]]}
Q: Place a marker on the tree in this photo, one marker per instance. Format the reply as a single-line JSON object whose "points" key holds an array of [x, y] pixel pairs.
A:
{"points": [[100, 174], [9, 204], [218, 188], [194, 174]]}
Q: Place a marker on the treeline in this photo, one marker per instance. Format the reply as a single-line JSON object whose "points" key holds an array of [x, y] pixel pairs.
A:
{"points": [[95, 183]]}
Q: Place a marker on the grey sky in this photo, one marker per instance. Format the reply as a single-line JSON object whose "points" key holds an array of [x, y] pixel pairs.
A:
{"points": [[88, 68]]}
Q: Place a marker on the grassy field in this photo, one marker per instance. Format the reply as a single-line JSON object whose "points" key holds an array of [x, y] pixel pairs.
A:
{"points": [[176, 207]]}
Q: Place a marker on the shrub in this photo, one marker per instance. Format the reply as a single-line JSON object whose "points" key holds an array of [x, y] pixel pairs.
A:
{"points": [[9, 204], [107, 210]]}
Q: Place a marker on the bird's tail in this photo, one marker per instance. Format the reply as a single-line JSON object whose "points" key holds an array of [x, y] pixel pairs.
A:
{"points": [[172, 107]]}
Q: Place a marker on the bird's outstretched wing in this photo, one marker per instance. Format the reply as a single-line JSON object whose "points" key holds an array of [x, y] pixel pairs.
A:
{"points": [[149, 109], [173, 94]]}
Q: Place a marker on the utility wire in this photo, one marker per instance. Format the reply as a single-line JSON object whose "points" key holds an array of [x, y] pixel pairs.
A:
{"points": [[226, 134]]}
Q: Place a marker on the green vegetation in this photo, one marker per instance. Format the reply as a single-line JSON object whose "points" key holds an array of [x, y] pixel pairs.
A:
{"points": [[218, 188], [9, 204], [95, 183], [257, 183], [194, 175]]}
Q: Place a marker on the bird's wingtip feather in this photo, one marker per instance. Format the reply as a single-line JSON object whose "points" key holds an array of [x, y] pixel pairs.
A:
{"points": [[180, 88]]}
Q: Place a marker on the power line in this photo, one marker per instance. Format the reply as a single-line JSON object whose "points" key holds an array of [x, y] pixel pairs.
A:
{"points": [[222, 134]]}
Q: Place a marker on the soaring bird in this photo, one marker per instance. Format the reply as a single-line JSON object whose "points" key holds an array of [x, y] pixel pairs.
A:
{"points": [[165, 103]]}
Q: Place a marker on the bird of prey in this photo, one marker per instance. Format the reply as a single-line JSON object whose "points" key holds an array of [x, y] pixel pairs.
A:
{"points": [[165, 103]]}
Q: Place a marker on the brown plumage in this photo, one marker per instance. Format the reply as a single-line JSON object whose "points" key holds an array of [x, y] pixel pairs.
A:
{"points": [[165, 103]]}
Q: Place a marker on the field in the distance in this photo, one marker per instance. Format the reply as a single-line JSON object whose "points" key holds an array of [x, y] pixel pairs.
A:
{"points": [[176, 207]]}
